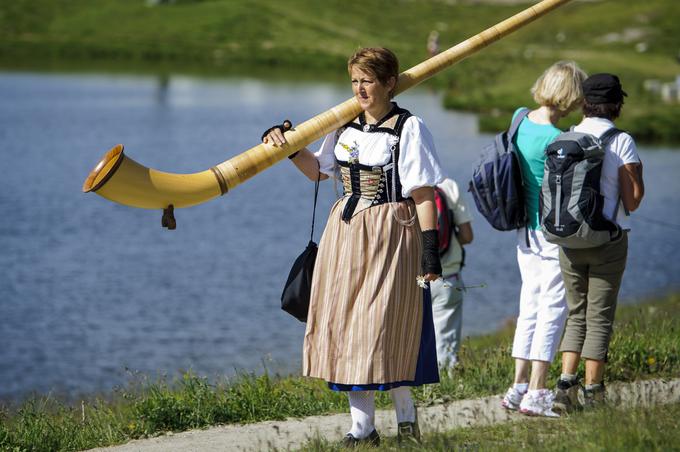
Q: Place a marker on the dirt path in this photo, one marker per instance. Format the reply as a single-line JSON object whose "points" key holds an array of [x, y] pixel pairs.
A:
{"points": [[293, 433]]}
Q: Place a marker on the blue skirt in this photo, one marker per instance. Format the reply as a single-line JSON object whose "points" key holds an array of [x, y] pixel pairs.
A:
{"points": [[427, 370]]}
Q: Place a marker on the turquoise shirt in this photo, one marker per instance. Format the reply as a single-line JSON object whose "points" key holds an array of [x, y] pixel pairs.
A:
{"points": [[531, 140]]}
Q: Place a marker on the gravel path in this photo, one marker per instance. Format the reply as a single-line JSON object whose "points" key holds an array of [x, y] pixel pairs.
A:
{"points": [[293, 433]]}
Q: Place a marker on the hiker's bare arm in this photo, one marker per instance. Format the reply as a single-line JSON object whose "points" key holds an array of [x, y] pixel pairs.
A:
{"points": [[427, 214], [631, 185], [304, 160], [465, 234]]}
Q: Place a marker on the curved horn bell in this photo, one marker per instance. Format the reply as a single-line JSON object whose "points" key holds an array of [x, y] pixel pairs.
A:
{"points": [[120, 179]]}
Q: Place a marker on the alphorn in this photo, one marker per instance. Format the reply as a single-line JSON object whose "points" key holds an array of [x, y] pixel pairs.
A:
{"points": [[120, 179]]}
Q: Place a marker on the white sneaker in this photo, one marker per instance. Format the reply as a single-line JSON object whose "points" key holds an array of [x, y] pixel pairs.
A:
{"points": [[538, 402], [513, 398]]}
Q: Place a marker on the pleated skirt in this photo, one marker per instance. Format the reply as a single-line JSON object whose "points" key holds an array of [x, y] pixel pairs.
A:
{"points": [[366, 314]]}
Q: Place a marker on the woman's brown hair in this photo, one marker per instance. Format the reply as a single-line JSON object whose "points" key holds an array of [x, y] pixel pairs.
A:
{"points": [[380, 62]]}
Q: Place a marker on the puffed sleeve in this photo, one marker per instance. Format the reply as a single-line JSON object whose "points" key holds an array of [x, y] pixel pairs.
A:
{"points": [[418, 162], [326, 154]]}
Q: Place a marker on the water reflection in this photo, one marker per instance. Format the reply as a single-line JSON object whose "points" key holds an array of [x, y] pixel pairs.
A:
{"points": [[162, 89]]}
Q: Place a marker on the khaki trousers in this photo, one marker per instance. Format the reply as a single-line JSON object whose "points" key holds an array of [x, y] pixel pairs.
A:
{"points": [[592, 278]]}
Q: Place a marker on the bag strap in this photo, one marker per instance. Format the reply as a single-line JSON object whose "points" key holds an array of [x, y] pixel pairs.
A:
{"points": [[316, 195], [512, 131], [605, 139], [609, 135], [516, 122]]}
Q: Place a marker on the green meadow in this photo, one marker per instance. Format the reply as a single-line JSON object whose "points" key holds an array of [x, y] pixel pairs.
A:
{"points": [[639, 429], [307, 39], [646, 345]]}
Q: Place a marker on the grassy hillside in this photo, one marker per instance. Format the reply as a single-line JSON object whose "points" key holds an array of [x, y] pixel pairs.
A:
{"points": [[294, 38]]}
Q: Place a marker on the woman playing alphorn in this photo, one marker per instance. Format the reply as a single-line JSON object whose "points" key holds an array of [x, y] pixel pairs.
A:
{"points": [[370, 323]]}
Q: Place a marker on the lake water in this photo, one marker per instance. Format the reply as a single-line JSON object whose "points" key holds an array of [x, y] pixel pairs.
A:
{"points": [[91, 291]]}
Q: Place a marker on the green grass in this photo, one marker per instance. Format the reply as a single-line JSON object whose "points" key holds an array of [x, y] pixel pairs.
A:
{"points": [[646, 344], [639, 429], [295, 37]]}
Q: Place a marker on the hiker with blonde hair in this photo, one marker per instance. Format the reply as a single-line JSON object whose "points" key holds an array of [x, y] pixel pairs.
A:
{"points": [[542, 305]]}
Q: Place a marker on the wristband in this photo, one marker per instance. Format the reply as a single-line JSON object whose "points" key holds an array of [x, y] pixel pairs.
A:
{"points": [[431, 263], [285, 126]]}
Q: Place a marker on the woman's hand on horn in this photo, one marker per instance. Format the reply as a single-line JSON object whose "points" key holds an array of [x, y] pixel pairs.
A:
{"points": [[274, 134]]}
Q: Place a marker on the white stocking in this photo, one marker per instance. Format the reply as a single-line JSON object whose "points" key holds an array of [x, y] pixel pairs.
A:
{"points": [[403, 404], [362, 409]]}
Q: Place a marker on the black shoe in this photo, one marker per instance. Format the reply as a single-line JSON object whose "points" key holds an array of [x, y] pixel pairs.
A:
{"points": [[373, 440], [566, 396], [593, 396], [408, 431]]}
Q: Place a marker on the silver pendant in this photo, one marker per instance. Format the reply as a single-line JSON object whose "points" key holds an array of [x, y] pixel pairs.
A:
{"points": [[367, 128]]}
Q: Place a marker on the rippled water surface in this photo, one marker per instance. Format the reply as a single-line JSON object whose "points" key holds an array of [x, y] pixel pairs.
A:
{"points": [[89, 289]]}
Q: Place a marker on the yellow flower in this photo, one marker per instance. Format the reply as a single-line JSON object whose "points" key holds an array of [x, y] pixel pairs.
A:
{"points": [[651, 360]]}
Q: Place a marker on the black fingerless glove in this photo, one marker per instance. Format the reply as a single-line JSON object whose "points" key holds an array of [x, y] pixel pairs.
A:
{"points": [[284, 127], [431, 263]]}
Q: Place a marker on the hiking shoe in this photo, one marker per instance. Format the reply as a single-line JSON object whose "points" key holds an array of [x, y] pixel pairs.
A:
{"points": [[593, 396], [566, 396], [372, 440], [538, 402], [512, 399], [408, 432]]}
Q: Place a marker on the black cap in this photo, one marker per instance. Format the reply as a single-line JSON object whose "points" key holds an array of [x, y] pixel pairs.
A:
{"points": [[603, 89]]}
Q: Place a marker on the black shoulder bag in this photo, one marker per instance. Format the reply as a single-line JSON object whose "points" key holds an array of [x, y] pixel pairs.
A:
{"points": [[296, 292]]}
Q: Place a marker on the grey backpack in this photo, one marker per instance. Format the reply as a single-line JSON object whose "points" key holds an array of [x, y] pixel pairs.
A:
{"points": [[570, 202]]}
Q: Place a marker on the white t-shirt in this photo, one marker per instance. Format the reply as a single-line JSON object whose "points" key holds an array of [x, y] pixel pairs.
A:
{"points": [[620, 151], [418, 162], [451, 260]]}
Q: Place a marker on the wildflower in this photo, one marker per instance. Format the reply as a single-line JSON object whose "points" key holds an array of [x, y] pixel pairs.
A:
{"points": [[353, 152]]}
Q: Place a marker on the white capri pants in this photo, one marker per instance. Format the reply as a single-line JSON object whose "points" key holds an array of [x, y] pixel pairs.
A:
{"points": [[542, 303]]}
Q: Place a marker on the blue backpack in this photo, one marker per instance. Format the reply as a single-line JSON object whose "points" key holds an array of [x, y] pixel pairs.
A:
{"points": [[496, 184]]}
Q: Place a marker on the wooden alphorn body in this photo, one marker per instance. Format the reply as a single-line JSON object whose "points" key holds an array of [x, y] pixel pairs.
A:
{"points": [[120, 179]]}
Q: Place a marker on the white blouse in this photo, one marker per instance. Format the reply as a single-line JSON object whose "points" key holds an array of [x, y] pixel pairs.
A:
{"points": [[418, 162]]}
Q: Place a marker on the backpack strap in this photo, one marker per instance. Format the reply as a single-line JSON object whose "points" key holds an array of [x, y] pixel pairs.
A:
{"points": [[512, 131], [510, 134], [516, 122], [606, 138], [609, 135]]}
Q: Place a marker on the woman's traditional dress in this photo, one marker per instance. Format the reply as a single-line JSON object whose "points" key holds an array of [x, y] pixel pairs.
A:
{"points": [[369, 324]]}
